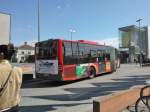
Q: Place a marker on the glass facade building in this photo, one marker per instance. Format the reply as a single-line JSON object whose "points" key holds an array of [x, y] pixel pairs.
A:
{"points": [[132, 42]]}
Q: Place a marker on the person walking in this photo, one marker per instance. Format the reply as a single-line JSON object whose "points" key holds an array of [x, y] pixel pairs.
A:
{"points": [[141, 59], [10, 82]]}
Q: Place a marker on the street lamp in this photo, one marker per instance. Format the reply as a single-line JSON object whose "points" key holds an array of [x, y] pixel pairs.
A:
{"points": [[139, 21], [71, 31], [38, 20], [140, 44]]}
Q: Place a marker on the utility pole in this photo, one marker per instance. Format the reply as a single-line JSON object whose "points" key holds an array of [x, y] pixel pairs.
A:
{"points": [[140, 44], [71, 31], [38, 20], [10, 38], [139, 21]]}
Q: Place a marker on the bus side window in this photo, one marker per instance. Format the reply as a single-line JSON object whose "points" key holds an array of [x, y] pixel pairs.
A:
{"points": [[54, 49], [100, 55], [107, 57]]}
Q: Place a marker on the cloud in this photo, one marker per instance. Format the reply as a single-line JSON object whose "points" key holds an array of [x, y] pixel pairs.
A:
{"points": [[30, 42], [110, 41], [58, 7]]}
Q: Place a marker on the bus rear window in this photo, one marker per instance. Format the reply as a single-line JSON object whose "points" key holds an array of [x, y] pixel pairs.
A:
{"points": [[46, 50]]}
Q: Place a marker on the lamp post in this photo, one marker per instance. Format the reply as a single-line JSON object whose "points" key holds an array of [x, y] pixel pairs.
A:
{"points": [[38, 20], [71, 32], [140, 45], [139, 21]]}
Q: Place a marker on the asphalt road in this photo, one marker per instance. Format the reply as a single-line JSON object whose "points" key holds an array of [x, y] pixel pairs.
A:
{"points": [[46, 96]]}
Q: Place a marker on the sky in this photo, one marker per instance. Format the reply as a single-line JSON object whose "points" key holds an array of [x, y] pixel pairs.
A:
{"points": [[95, 20]]}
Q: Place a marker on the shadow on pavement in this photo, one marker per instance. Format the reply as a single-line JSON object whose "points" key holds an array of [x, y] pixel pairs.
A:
{"points": [[99, 89], [44, 108], [39, 83], [46, 83]]}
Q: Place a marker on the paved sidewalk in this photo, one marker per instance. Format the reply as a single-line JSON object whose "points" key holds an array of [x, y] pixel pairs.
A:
{"points": [[78, 96]]}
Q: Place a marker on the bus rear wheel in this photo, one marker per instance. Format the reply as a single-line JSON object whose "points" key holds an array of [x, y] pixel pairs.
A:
{"points": [[92, 72]]}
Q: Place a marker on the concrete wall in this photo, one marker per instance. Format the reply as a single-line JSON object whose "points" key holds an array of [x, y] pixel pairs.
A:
{"points": [[4, 28], [148, 42]]}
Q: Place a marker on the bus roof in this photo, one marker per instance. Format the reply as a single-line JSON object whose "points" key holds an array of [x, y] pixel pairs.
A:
{"points": [[87, 42], [83, 41], [80, 41]]}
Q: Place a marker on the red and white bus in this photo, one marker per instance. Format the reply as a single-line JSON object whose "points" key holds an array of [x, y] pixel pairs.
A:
{"points": [[65, 60]]}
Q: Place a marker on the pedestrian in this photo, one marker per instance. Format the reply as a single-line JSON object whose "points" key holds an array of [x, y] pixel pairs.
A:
{"points": [[10, 82], [141, 60], [135, 61]]}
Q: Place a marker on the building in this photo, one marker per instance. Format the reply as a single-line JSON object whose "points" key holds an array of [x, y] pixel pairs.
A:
{"points": [[148, 41], [24, 52], [5, 28], [134, 41]]}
